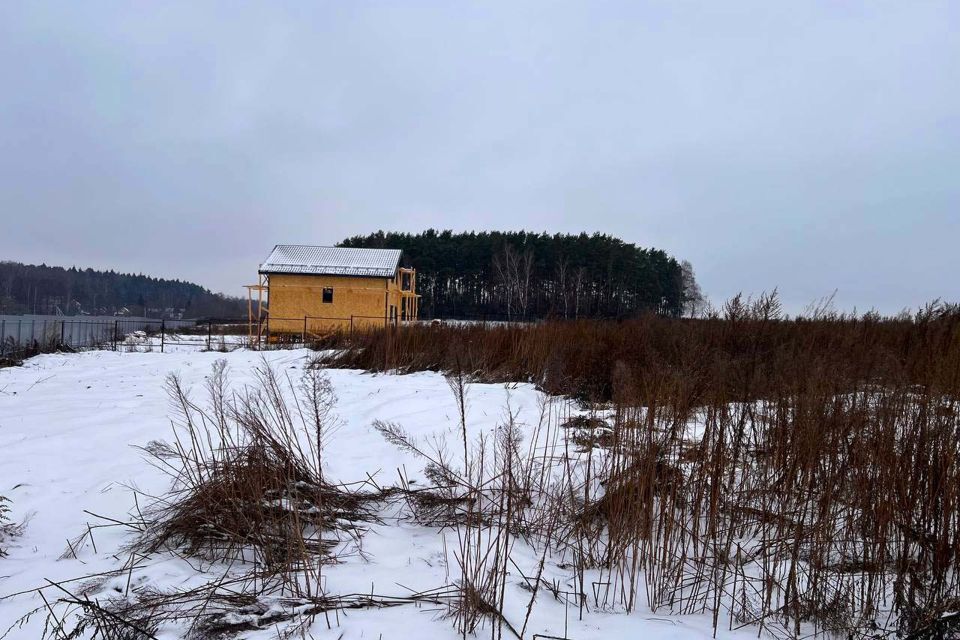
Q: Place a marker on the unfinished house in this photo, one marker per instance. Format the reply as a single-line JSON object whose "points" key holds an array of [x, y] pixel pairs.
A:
{"points": [[314, 290]]}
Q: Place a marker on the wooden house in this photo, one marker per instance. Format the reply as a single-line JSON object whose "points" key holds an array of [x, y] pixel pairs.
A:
{"points": [[313, 290]]}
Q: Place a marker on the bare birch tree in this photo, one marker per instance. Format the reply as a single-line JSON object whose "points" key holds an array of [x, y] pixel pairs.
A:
{"points": [[693, 299]]}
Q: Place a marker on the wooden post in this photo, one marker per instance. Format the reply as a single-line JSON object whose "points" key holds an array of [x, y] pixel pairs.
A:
{"points": [[209, 332], [304, 330], [250, 318], [116, 325], [163, 326], [62, 323], [262, 280]]}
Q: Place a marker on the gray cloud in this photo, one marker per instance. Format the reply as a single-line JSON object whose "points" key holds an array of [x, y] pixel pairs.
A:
{"points": [[809, 147]]}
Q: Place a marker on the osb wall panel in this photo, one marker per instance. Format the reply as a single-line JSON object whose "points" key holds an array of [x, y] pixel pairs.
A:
{"points": [[296, 302]]}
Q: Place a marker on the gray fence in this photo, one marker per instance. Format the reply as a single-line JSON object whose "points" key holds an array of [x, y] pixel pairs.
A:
{"points": [[20, 333]]}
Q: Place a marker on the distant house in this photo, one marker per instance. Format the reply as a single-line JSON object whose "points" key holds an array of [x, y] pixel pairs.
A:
{"points": [[313, 290]]}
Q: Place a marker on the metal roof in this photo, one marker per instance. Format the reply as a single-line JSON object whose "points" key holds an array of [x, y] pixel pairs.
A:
{"points": [[337, 261]]}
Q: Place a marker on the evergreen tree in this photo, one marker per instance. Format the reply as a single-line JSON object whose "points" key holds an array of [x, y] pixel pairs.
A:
{"points": [[50, 290], [521, 274]]}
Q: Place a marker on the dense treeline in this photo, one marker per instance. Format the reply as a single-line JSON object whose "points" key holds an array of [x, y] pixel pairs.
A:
{"points": [[51, 290], [520, 274]]}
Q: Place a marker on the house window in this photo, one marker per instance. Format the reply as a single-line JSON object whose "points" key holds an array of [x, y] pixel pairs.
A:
{"points": [[327, 295]]}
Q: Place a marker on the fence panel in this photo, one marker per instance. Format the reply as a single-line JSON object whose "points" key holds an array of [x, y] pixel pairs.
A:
{"points": [[21, 335], [25, 335]]}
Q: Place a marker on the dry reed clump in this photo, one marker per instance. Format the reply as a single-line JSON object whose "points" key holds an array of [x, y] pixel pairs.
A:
{"points": [[226, 612], [827, 508], [249, 498], [248, 480]]}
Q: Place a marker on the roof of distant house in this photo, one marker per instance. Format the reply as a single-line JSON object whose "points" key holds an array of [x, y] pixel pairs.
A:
{"points": [[336, 261]]}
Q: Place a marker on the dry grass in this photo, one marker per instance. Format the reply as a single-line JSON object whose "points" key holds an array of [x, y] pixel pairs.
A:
{"points": [[800, 475], [248, 501], [748, 352], [248, 479]]}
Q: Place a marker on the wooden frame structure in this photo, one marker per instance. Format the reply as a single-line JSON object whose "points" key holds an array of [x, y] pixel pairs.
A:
{"points": [[255, 326], [409, 293], [305, 292]]}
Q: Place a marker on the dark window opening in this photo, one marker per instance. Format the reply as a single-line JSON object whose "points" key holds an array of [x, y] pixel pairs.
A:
{"points": [[328, 294], [405, 282]]}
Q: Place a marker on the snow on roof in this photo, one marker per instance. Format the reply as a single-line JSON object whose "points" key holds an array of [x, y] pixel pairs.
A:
{"points": [[339, 261]]}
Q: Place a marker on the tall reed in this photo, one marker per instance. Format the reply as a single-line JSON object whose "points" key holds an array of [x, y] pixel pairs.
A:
{"points": [[802, 475]]}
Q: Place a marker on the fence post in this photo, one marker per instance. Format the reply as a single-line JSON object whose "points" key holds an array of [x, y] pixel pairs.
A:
{"points": [[209, 332], [63, 333], [351, 325], [19, 331], [115, 328], [304, 330], [162, 331]]}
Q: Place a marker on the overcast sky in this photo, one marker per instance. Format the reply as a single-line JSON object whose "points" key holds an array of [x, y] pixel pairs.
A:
{"points": [[800, 145]]}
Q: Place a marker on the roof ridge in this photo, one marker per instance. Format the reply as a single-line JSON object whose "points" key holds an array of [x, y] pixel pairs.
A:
{"points": [[330, 260], [333, 246]]}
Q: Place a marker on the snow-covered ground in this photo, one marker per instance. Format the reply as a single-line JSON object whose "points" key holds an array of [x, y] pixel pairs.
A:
{"points": [[139, 341], [70, 425]]}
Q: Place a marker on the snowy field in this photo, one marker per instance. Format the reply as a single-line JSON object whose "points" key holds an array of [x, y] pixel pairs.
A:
{"points": [[70, 428], [140, 342]]}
